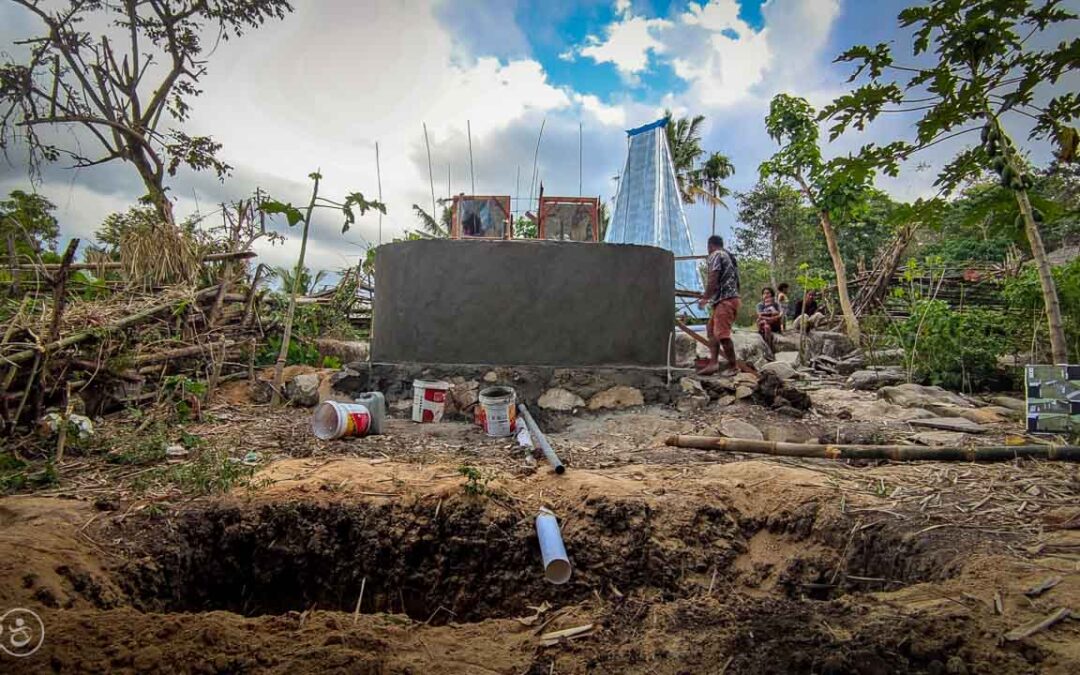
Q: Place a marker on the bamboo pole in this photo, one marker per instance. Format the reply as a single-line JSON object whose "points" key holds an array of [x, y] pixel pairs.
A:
{"points": [[52, 267], [900, 453]]}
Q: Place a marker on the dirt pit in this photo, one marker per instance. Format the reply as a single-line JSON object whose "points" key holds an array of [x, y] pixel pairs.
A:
{"points": [[749, 567]]}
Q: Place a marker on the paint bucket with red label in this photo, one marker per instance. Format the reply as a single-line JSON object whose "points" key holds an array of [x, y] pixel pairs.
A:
{"points": [[497, 411], [429, 400], [338, 420]]}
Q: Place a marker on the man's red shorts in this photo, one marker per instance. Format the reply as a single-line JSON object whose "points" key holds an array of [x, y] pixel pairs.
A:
{"points": [[723, 316]]}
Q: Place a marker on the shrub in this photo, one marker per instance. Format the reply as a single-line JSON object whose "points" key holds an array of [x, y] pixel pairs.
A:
{"points": [[957, 349]]}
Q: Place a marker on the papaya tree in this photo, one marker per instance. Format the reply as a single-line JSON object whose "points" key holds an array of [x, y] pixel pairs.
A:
{"points": [[835, 188], [293, 216], [988, 67]]}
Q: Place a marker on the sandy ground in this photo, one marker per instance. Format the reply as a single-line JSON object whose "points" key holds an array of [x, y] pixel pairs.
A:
{"points": [[376, 555]]}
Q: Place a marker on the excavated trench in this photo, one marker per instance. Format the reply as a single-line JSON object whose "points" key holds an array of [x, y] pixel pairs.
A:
{"points": [[473, 561]]}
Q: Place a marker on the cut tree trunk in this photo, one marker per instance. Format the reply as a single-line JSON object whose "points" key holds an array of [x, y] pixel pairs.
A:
{"points": [[841, 278], [1058, 346]]}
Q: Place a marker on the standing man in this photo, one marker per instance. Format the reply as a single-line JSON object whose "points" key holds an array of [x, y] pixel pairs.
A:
{"points": [[722, 295]]}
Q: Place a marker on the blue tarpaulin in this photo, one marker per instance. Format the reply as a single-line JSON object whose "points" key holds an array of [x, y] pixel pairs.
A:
{"points": [[648, 208]]}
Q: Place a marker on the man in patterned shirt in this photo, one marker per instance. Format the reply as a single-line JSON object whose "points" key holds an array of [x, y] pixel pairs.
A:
{"points": [[722, 295]]}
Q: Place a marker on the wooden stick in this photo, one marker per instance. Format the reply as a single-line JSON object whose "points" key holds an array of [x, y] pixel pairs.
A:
{"points": [[901, 453], [180, 352], [1029, 629], [554, 637], [692, 333], [52, 267]]}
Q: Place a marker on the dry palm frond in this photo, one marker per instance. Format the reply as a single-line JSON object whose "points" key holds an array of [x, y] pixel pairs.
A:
{"points": [[158, 255]]}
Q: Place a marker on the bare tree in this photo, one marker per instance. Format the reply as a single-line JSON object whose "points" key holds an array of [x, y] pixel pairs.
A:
{"points": [[128, 88]]}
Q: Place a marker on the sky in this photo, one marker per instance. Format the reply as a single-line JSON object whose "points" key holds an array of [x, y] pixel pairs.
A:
{"points": [[320, 89]]}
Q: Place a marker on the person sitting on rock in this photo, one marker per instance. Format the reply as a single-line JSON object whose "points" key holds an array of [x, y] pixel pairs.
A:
{"points": [[769, 316], [806, 314]]}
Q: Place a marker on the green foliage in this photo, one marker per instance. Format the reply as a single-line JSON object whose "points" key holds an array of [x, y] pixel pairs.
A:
{"points": [[964, 249], [209, 472], [30, 213], [439, 229], [475, 480], [301, 352], [306, 284], [179, 389], [697, 180], [1023, 295], [525, 228], [951, 348]]}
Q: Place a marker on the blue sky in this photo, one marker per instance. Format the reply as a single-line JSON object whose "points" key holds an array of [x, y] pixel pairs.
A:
{"points": [[322, 87]]}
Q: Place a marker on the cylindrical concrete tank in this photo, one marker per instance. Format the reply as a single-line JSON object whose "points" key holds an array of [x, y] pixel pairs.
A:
{"points": [[522, 303]]}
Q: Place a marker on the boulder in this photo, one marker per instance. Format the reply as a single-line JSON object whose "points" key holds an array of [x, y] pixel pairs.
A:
{"points": [[742, 392], [780, 369], [875, 378], [977, 415], [463, 395], [560, 399], [685, 350], [690, 386], [734, 428], [958, 424], [887, 357], [345, 351], [689, 404], [617, 397], [919, 396], [828, 343], [749, 345], [790, 358], [786, 342], [303, 390], [1015, 404], [850, 364]]}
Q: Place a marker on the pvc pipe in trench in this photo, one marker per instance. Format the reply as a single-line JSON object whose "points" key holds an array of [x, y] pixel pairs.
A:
{"points": [[540, 440], [556, 564]]}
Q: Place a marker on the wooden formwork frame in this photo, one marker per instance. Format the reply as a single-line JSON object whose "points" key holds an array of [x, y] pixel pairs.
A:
{"points": [[593, 202], [456, 231]]}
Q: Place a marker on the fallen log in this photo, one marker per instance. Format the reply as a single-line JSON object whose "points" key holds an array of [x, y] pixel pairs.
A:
{"points": [[126, 322], [179, 353], [900, 453]]}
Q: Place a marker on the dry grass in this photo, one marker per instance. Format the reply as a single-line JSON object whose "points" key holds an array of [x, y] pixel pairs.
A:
{"points": [[159, 255]]}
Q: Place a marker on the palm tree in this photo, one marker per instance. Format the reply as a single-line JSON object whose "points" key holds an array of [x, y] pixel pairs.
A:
{"points": [[429, 225], [706, 182], [307, 283], [684, 144]]}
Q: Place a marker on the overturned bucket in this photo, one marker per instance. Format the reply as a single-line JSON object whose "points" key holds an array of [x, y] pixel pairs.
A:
{"points": [[497, 411], [429, 400], [337, 420]]}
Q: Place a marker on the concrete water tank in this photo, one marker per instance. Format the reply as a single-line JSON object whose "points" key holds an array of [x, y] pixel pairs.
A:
{"points": [[522, 302]]}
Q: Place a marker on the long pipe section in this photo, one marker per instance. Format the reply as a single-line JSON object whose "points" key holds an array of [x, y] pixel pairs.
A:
{"points": [[540, 440], [900, 453], [556, 563]]}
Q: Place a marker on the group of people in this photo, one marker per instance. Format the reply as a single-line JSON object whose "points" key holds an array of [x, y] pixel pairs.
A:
{"points": [[772, 313]]}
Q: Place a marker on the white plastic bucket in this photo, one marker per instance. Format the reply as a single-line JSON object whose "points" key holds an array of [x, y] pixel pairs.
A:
{"points": [[429, 400], [498, 411], [336, 420]]}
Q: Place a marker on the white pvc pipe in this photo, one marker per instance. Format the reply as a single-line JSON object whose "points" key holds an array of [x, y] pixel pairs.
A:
{"points": [[556, 563]]}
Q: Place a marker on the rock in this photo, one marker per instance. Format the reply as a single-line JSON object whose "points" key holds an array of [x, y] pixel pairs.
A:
{"points": [[349, 382], [950, 424], [560, 399], [1014, 404], [745, 380], [691, 386], [790, 358], [491, 377], [919, 396], [828, 343], [939, 438], [774, 392], [887, 357], [1005, 413], [977, 415], [850, 363], [303, 390], [689, 404], [862, 405], [780, 369], [717, 386], [733, 428], [617, 397], [786, 342], [749, 345], [725, 400], [742, 392], [463, 395], [875, 378], [685, 350]]}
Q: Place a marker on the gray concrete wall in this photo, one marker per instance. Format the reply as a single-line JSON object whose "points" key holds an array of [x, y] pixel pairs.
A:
{"points": [[522, 303]]}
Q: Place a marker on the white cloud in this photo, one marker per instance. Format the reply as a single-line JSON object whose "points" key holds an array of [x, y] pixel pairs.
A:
{"points": [[628, 42], [606, 114]]}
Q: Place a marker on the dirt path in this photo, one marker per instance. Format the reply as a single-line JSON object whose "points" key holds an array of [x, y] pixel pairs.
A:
{"points": [[684, 561]]}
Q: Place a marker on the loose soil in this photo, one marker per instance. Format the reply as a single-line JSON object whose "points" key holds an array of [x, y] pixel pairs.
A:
{"points": [[371, 556]]}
